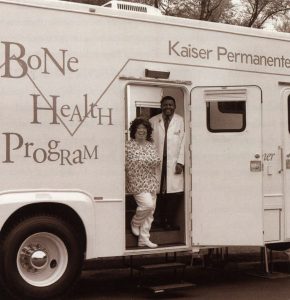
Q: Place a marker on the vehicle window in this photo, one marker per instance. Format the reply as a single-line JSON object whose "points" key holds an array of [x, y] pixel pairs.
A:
{"points": [[147, 112], [226, 116]]}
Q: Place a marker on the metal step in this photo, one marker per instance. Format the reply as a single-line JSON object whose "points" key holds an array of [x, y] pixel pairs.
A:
{"points": [[163, 266], [159, 236], [169, 287], [175, 283]]}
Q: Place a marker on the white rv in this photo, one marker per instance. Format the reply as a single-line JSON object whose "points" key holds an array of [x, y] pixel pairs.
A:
{"points": [[73, 76]]}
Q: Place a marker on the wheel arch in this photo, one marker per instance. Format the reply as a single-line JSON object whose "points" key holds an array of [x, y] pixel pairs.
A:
{"points": [[57, 209]]}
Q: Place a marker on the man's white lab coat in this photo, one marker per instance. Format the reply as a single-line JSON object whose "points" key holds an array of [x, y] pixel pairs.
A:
{"points": [[175, 149]]}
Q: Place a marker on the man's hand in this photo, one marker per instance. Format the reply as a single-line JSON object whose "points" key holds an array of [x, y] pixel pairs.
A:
{"points": [[178, 168]]}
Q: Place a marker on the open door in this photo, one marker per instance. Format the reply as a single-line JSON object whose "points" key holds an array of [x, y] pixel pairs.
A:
{"points": [[227, 202], [286, 158]]}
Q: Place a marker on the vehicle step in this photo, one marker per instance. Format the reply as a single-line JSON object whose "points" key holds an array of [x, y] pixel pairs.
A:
{"points": [[163, 266], [159, 237], [169, 287]]}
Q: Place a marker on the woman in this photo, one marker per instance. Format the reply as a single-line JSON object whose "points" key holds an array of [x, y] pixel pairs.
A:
{"points": [[141, 162]]}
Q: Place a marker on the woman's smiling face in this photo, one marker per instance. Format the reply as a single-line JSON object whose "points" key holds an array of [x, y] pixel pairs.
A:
{"points": [[141, 133]]}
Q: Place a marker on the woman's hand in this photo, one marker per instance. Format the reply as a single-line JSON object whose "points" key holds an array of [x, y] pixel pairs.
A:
{"points": [[178, 168]]}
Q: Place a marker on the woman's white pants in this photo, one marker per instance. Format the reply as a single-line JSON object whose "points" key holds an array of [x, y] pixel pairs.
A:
{"points": [[143, 218]]}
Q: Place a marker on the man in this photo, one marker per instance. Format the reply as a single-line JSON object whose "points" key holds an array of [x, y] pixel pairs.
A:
{"points": [[168, 136]]}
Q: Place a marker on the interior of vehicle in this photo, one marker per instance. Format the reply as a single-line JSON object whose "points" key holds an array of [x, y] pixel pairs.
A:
{"points": [[145, 101]]}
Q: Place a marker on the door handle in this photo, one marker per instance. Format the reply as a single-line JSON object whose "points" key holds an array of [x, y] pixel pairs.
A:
{"points": [[281, 159]]}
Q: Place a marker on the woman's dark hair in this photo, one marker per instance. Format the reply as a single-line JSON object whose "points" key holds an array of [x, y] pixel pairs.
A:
{"points": [[141, 121]]}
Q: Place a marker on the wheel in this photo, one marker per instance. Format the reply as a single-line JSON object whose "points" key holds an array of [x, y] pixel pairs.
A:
{"points": [[40, 258]]}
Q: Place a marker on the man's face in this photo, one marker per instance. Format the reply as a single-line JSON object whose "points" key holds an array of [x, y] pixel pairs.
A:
{"points": [[168, 107]]}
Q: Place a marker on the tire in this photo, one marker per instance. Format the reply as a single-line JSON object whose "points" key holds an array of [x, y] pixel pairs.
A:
{"points": [[40, 258]]}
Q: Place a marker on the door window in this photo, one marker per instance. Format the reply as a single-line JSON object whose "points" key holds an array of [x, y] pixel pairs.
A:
{"points": [[226, 110], [226, 116]]}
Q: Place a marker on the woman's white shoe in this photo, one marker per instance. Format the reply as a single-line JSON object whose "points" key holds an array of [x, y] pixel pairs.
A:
{"points": [[147, 244]]}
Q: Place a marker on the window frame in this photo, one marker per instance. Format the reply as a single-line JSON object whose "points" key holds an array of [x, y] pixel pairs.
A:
{"points": [[219, 96]]}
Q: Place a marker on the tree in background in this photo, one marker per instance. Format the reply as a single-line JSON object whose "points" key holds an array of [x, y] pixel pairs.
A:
{"points": [[256, 13], [206, 10], [248, 13], [283, 23]]}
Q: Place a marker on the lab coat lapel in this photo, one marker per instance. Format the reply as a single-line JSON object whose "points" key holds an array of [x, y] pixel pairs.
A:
{"points": [[172, 122], [161, 123]]}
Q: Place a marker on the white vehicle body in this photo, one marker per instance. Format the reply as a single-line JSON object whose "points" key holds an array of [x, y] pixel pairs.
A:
{"points": [[73, 76]]}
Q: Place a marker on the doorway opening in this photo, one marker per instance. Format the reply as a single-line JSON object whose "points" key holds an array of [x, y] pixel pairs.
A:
{"points": [[145, 101]]}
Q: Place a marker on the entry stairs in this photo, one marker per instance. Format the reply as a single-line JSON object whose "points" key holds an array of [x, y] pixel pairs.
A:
{"points": [[158, 283]]}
